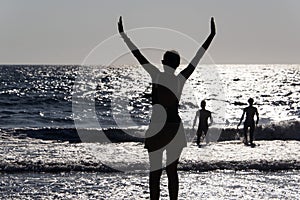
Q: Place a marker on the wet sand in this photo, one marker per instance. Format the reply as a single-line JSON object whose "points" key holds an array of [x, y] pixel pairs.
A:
{"points": [[193, 185]]}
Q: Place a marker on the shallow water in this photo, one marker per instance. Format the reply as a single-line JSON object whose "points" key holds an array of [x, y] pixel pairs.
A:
{"points": [[33, 155], [208, 185]]}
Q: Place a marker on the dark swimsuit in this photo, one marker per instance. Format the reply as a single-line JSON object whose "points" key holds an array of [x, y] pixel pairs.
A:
{"points": [[203, 124], [249, 121], [171, 135]]}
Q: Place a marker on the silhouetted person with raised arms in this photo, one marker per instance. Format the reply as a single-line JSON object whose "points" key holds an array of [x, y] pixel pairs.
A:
{"points": [[203, 115], [250, 112], [166, 131]]}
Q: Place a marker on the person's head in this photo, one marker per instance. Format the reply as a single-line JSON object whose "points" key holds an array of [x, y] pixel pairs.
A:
{"points": [[250, 101], [203, 104], [171, 59]]}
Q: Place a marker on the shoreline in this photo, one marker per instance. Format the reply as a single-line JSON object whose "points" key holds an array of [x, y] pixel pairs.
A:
{"points": [[39, 156], [285, 130]]}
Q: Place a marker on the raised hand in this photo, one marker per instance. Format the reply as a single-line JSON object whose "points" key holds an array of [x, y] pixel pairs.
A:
{"points": [[120, 25], [194, 62], [135, 51], [212, 26]]}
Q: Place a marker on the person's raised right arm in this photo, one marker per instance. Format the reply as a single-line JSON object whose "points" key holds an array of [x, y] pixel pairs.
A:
{"points": [[135, 51], [194, 62]]}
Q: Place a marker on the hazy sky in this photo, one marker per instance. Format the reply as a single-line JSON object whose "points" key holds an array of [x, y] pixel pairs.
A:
{"points": [[65, 31]]}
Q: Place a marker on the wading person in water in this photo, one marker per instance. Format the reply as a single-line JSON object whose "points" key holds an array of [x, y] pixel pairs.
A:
{"points": [[203, 116], [250, 111], [166, 131]]}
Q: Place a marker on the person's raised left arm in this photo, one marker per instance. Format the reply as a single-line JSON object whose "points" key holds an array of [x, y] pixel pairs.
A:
{"points": [[135, 51]]}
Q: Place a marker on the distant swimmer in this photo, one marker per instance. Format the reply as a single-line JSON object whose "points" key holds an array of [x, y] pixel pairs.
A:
{"points": [[203, 115], [250, 112]]}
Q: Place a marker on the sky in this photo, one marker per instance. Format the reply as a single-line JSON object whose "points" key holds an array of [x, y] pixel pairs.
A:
{"points": [[65, 31]]}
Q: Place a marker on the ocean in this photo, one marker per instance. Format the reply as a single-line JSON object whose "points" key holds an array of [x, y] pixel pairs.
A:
{"points": [[50, 116]]}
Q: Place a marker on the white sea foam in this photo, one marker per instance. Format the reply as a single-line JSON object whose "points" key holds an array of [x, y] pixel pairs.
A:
{"points": [[21, 154]]}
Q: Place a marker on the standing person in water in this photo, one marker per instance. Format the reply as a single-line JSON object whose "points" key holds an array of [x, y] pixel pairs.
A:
{"points": [[203, 116], [166, 131], [250, 111]]}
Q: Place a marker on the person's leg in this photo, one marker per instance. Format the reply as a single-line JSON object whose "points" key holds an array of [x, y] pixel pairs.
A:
{"points": [[252, 127], [201, 131], [206, 136], [198, 136], [155, 159], [171, 168]]}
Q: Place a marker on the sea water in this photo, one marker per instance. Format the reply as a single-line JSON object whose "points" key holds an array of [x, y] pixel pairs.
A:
{"points": [[38, 122]]}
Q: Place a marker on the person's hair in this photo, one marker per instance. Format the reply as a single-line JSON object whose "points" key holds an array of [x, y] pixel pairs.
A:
{"points": [[171, 59], [250, 101], [203, 104]]}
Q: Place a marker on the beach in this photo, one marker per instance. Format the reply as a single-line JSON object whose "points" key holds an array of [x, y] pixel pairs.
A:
{"points": [[98, 97], [207, 185], [32, 168]]}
